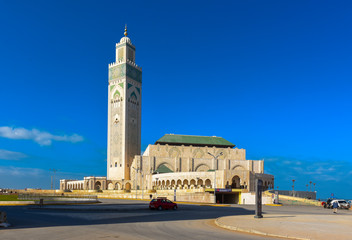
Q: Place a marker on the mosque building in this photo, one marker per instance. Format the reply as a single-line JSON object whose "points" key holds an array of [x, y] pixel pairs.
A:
{"points": [[198, 166]]}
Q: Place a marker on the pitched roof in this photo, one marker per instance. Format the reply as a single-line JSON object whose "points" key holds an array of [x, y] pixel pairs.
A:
{"points": [[174, 139], [163, 169]]}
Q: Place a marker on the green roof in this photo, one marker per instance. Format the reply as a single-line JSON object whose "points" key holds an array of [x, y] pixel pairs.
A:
{"points": [[173, 139], [163, 169]]}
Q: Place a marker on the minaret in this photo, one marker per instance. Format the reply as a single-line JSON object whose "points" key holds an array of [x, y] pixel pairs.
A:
{"points": [[124, 111]]}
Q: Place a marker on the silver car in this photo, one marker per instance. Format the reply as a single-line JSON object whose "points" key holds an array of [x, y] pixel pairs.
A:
{"points": [[342, 203]]}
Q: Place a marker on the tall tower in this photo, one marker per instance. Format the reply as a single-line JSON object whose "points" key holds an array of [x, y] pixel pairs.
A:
{"points": [[124, 111]]}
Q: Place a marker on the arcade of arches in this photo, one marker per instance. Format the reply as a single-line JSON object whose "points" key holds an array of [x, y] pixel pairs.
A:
{"points": [[159, 172]]}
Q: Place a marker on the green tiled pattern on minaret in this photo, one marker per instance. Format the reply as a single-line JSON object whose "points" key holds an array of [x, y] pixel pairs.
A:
{"points": [[117, 93], [117, 71], [134, 73], [125, 69]]}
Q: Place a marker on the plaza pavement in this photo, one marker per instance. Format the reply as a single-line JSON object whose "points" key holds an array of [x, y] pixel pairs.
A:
{"points": [[293, 226], [292, 222]]}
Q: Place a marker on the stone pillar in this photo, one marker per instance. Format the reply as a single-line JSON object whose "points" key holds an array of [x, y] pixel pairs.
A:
{"points": [[258, 198]]}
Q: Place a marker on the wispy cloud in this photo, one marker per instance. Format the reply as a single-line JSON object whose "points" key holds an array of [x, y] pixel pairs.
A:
{"points": [[9, 155], [325, 176], [40, 137], [20, 172], [21, 177], [322, 170], [317, 170]]}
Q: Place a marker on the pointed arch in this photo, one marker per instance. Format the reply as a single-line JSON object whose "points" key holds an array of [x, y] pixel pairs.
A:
{"points": [[97, 185], [110, 186], [174, 152], [133, 96], [238, 167], [117, 186], [236, 182], [128, 186], [116, 94], [202, 168], [198, 153], [164, 167]]}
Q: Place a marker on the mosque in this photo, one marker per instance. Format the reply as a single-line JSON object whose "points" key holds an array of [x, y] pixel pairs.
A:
{"points": [[197, 165]]}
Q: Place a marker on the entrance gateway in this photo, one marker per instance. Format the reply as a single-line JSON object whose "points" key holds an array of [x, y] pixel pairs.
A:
{"points": [[227, 195]]}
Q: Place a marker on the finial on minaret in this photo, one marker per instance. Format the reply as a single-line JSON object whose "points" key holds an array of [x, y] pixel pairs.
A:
{"points": [[125, 30]]}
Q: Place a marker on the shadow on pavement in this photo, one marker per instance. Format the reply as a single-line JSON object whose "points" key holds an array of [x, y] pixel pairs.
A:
{"points": [[22, 217]]}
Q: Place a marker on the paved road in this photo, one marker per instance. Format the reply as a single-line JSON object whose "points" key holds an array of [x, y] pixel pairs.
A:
{"points": [[124, 219]]}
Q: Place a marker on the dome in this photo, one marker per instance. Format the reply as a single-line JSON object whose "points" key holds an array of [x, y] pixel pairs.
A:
{"points": [[125, 39]]}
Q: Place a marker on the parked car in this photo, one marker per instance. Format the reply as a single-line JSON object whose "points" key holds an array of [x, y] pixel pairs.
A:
{"points": [[161, 203], [343, 203]]}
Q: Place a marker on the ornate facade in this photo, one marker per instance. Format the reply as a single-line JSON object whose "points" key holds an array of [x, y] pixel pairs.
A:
{"points": [[174, 162], [193, 162]]}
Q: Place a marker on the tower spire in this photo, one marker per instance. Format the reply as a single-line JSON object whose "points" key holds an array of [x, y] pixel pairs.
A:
{"points": [[125, 30]]}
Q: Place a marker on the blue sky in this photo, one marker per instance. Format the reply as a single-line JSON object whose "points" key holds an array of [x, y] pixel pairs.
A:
{"points": [[273, 77]]}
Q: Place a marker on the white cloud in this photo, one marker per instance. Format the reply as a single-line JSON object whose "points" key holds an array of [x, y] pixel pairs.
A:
{"points": [[20, 172], [9, 155], [317, 170], [40, 137]]}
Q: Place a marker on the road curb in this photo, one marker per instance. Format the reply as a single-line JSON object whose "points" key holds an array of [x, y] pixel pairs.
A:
{"points": [[253, 231], [215, 205]]}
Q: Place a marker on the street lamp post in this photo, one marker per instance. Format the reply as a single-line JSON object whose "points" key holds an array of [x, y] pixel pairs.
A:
{"points": [[53, 178], [156, 187], [314, 186], [215, 161], [142, 186], [310, 186], [293, 187]]}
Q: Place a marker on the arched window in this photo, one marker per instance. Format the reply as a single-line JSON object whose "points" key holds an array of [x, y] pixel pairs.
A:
{"points": [[236, 182]]}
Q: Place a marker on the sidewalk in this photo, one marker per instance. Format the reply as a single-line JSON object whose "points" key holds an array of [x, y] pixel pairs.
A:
{"points": [[291, 226]]}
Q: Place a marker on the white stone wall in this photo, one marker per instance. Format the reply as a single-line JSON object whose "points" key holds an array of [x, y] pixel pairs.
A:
{"points": [[249, 199], [184, 164], [194, 152]]}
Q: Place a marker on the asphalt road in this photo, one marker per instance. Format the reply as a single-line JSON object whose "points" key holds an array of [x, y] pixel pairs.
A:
{"points": [[127, 219]]}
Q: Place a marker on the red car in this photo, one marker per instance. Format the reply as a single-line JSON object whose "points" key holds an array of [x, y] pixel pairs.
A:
{"points": [[162, 203]]}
